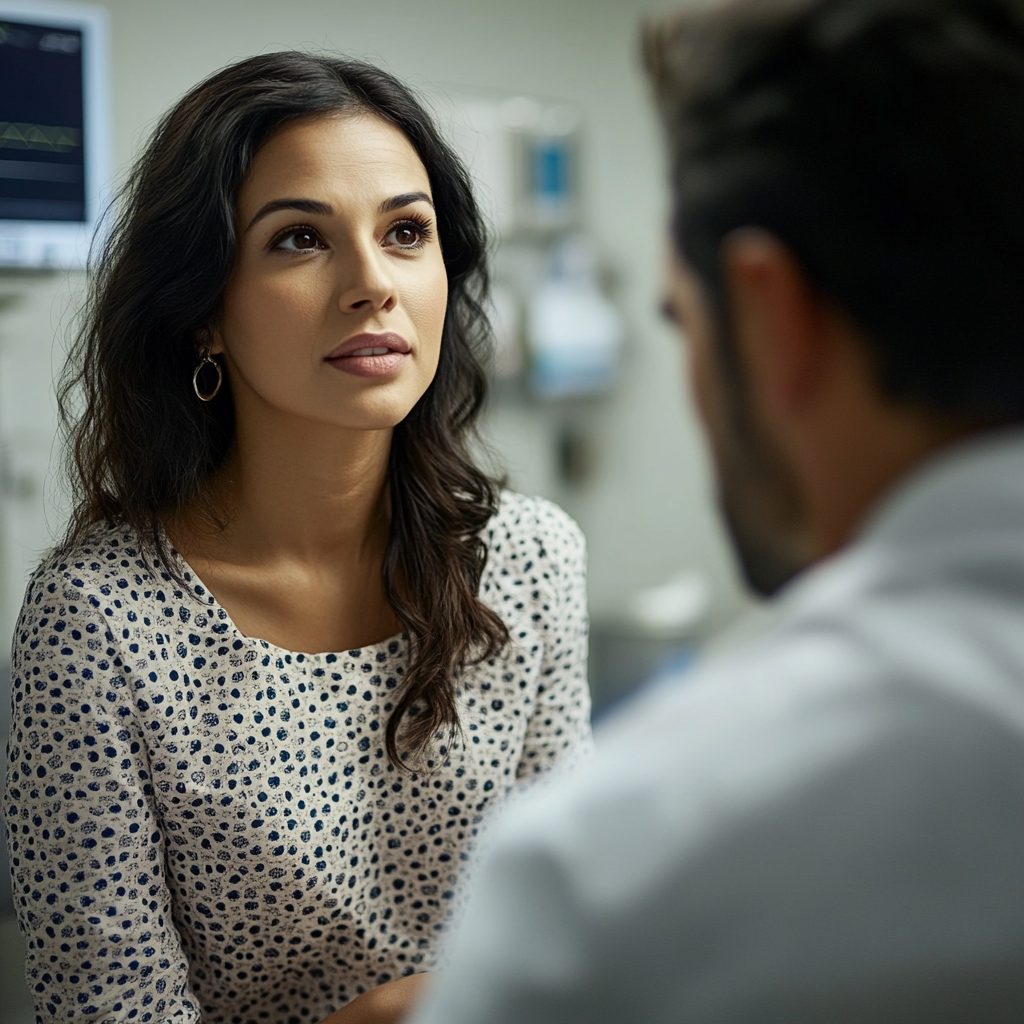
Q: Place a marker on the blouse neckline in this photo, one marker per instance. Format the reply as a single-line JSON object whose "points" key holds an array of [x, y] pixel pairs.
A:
{"points": [[203, 592]]}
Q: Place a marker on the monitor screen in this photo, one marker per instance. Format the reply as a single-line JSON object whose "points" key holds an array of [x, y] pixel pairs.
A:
{"points": [[42, 155], [53, 121]]}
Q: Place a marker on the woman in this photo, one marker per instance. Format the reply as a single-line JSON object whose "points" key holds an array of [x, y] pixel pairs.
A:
{"points": [[280, 370]]}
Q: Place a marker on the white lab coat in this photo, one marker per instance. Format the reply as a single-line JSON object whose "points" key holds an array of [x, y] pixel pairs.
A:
{"points": [[826, 826]]}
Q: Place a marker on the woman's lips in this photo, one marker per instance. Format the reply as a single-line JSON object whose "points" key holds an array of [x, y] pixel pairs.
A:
{"points": [[370, 355]]}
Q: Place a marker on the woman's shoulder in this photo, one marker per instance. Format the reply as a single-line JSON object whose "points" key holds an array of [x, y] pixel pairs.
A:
{"points": [[103, 560], [529, 530]]}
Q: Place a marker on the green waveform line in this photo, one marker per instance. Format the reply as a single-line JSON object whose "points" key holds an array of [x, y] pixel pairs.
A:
{"points": [[20, 135]]}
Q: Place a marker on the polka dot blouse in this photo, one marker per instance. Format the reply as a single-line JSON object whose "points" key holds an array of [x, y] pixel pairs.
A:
{"points": [[203, 825]]}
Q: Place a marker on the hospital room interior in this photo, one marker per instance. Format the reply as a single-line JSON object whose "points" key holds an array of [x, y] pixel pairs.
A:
{"points": [[546, 102]]}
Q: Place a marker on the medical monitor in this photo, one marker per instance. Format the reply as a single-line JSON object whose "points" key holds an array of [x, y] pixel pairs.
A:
{"points": [[54, 131]]}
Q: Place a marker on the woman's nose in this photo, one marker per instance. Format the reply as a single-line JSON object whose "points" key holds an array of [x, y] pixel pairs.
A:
{"points": [[367, 284]]}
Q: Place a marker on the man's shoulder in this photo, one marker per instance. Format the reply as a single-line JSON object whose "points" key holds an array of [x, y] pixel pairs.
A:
{"points": [[786, 802], [808, 717]]}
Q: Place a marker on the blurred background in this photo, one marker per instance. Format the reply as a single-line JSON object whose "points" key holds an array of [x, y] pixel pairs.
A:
{"points": [[546, 100]]}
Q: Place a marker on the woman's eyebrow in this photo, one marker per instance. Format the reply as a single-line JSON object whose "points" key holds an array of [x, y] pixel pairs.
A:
{"points": [[315, 206], [405, 199], [305, 205]]}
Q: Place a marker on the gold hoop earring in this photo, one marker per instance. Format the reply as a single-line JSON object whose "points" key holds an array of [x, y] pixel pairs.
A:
{"points": [[207, 360]]}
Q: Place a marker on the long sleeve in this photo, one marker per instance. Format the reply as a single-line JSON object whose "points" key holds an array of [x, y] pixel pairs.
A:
{"points": [[84, 832], [559, 727], [201, 824]]}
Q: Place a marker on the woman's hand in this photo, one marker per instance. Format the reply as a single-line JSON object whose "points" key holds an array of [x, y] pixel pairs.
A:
{"points": [[389, 1003]]}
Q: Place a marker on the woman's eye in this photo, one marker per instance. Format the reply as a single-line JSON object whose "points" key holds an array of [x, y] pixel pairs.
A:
{"points": [[299, 240], [407, 235]]}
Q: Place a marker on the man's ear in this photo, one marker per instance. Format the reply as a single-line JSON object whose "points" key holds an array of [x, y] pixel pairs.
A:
{"points": [[777, 321]]}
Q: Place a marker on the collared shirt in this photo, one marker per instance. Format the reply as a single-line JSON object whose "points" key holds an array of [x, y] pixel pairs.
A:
{"points": [[825, 826]]}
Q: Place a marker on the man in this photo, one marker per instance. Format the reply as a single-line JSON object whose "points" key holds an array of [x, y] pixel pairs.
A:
{"points": [[828, 825]]}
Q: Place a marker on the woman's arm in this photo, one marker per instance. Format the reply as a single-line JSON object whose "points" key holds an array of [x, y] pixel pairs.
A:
{"points": [[559, 728], [84, 834]]}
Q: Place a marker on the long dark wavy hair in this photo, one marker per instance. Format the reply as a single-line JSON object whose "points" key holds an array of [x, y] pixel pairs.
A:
{"points": [[141, 447]]}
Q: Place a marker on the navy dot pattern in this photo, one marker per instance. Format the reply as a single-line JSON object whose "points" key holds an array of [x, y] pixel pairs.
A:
{"points": [[205, 826]]}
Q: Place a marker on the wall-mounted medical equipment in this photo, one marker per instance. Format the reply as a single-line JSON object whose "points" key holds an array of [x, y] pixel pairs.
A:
{"points": [[545, 153], [54, 130], [525, 156], [558, 332], [573, 332]]}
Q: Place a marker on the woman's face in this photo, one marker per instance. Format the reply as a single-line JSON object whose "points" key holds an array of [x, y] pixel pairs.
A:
{"points": [[334, 309]]}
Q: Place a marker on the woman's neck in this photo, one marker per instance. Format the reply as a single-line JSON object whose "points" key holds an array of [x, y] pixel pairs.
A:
{"points": [[297, 490], [295, 549]]}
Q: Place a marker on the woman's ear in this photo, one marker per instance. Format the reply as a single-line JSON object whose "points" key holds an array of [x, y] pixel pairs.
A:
{"points": [[208, 340]]}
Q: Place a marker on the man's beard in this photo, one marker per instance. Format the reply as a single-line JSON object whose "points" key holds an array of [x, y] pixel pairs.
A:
{"points": [[758, 496], [767, 559]]}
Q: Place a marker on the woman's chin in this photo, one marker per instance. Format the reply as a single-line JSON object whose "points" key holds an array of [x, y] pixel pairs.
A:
{"points": [[373, 409], [373, 419]]}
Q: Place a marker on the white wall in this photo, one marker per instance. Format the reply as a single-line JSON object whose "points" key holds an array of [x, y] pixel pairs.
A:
{"points": [[35, 314], [646, 509]]}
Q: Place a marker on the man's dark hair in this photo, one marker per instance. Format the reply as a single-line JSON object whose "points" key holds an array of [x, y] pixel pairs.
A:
{"points": [[883, 142]]}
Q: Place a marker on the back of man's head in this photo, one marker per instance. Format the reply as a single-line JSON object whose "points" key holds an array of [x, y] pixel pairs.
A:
{"points": [[883, 142]]}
